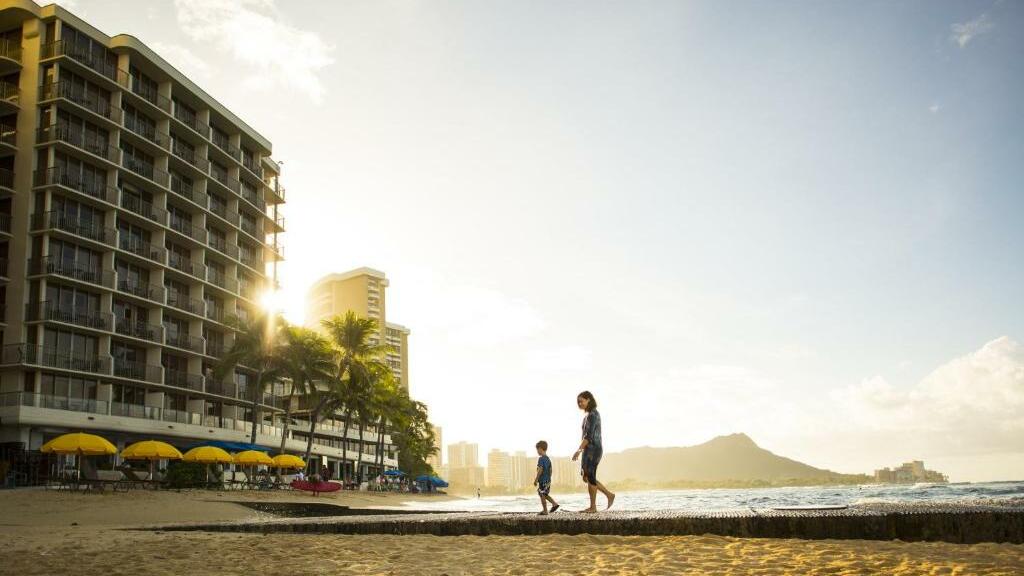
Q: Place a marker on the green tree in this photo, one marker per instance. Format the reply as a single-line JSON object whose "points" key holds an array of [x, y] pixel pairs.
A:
{"points": [[305, 358], [414, 438], [257, 345]]}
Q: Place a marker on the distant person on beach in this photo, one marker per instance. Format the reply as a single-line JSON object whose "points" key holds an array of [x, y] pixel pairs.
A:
{"points": [[543, 479], [591, 449]]}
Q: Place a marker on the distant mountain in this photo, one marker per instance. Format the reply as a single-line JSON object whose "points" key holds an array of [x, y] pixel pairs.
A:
{"points": [[732, 457]]}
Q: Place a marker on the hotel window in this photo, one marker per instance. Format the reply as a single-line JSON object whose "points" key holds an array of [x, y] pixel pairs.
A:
{"points": [[83, 48], [73, 257], [143, 85], [132, 274], [71, 299], [138, 122], [70, 387], [71, 344], [80, 175]]}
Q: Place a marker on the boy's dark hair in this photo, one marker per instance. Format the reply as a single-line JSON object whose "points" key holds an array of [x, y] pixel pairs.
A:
{"points": [[592, 404], [543, 445]]}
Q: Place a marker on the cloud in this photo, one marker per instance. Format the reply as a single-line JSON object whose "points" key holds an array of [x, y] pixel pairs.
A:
{"points": [[934, 108], [963, 33], [183, 59], [972, 405], [253, 33]]}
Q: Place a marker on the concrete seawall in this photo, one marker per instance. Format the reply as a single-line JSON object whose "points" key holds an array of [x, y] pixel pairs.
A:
{"points": [[923, 522]]}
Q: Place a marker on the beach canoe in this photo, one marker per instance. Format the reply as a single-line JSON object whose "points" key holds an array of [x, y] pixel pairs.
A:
{"points": [[315, 486]]}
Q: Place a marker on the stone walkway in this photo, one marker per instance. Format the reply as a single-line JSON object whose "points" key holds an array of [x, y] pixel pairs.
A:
{"points": [[947, 522]]}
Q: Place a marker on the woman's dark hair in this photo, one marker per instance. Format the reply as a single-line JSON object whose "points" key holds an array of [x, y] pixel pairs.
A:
{"points": [[592, 404]]}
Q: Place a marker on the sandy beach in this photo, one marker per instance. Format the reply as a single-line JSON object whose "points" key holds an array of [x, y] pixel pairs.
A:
{"points": [[50, 532]]}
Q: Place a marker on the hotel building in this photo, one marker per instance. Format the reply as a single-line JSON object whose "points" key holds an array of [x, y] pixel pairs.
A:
{"points": [[363, 291], [137, 214]]}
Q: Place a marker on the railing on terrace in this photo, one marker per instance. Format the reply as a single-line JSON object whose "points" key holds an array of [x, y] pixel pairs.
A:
{"points": [[153, 292], [38, 355], [143, 208], [32, 400], [192, 123], [142, 330], [252, 165], [188, 192], [137, 370], [215, 313], [247, 289], [146, 170], [6, 178], [8, 135], [253, 197], [82, 56], [5, 223], [134, 411], [228, 215], [80, 139], [186, 265], [143, 249], [222, 246], [181, 417], [221, 279], [250, 228], [225, 147], [10, 93], [74, 225], [251, 259], [135, 126], [149, 95], [186, 228], [52, 265], [81, 97], [185, 341], [49, 310], [183, 379], [227, 181], [3, 267], [11, 49], [182, 302], [214, 349], [190, 156], [75, 181]]}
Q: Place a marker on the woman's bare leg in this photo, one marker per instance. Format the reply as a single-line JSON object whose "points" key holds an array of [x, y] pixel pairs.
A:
{"points": [[607, 494], [592, 489]]}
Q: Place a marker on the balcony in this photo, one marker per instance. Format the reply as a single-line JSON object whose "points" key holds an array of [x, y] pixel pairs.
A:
{"points": [[226, 181], [253, 197], [51, 311], [5, 223], [153, 292], [148, 95], [251, 228], [10, 55], [58, 176], [183, 302], [224, 146], [185, 228], [252, 165], [37, 355], [185, 380], [191, 121], [79, 96], [221, 245], [143, 208], [8, 139], [183, 264], [137, 370], [104, 68], [215, 349], [79, 139], [188, 192], [221, 211], [140, 330], [139, 128], [278, 191], [72, 270], [143, 249], [30, 400], [6, 179], [215, 313], [221, 280], [247, 289], [146, 170], [135, 411], [184, 341], [252, 259], [87, 229], [10, 96], [3, 268]]}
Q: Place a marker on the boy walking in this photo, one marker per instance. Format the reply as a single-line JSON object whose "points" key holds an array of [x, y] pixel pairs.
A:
{"points": [[543, 479]]}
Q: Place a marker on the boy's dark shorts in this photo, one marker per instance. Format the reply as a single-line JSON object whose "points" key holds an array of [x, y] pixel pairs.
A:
{"points": [[544, 488]]}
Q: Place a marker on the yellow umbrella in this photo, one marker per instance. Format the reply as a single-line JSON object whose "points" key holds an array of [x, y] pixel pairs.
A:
{"points": [[288, 461], [79, 443], [207, 455], [151, 450], [253, 458]]}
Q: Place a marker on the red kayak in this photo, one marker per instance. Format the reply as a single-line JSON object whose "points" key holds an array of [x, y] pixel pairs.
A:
{"points": [[315, 487]]}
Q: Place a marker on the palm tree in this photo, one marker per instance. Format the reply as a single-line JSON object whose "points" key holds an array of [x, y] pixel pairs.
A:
{"points": [[257, 345], [360, 367], [305, 358]]}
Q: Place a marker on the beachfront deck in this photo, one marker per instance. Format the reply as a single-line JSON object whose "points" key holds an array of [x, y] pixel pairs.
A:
{"points": [[919, 522]]}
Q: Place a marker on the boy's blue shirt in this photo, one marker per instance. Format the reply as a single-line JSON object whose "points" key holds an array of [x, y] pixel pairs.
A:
{"points": [[544, 463]]}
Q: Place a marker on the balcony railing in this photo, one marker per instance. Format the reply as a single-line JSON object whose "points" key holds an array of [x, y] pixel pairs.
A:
{"points": [[83, 98], [183, 379], [137, 370], [74, 225], [184, 341], [38, 355], [251, 259], [220, 210], [5, 223], [8, 135], [182, 302], [80, 139], [11, 49], [6, 179], [252, 165], [82, 56], [192, 122], [247, 289], [226, 181], [190, 156], [183, 264], [135, 410], [188, 192], [250, 227], [215, 313], [75, 181], [222, 246], [143, 208], [221, 279], [149, 95], [10, 93], [136, 126], [28, 399], [146, 170], [253, 197], [185, 228], [223, 145], [214, 349], [141, 330], [52, 311], [152, 292], [3, 268], [142, 248], [53, 265]]}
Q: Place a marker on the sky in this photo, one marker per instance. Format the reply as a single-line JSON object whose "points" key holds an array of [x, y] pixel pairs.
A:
{"points": [[801, 221]]}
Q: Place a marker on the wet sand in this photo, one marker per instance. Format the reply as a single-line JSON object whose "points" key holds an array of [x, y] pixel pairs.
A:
{"points": [[39, 539]]}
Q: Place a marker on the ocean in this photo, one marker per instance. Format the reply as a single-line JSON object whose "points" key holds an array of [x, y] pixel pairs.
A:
{"points": [[757, 498]]}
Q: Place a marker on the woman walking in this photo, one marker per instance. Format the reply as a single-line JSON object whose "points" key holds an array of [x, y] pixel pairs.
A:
{"points": [[591, 449]]}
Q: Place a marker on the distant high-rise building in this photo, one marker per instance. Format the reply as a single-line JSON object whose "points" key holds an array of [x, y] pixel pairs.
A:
{"points": [[565, 473], [523, 470], [462, 455], [362, 291], [499, 469], [436, 461]]}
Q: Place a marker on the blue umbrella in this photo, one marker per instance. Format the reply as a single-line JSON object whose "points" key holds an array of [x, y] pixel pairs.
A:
{"points": [[394, 473]]}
